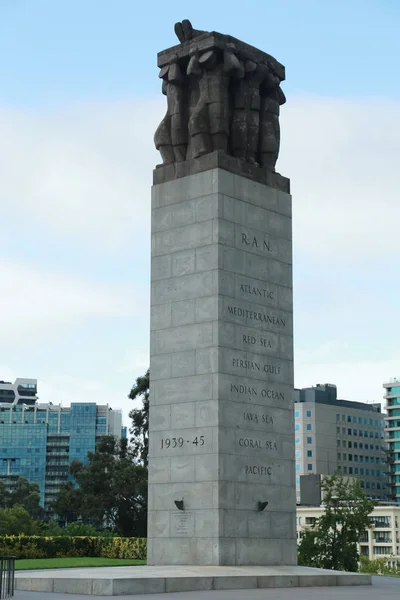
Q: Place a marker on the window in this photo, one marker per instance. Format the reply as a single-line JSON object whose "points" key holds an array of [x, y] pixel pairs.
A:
{"points": [[355, 444], [356, 458], [297, 467], [367, 471], [309, 440], [345, 470], [360, 420], [351, 457], [337, 430], [309, 427], [350, 470], [365, 433], [297, 414], [297, 427], [339, 456], [361, 471], [360, 432], [309, 413], [350, 444], [298, 483], [354, 431], [337, 418], [354, 419], [297, 440], [309, 453], [356, 471], [343, 431], [367, 485], [297, 453], [349, 419], [309, 467], [349, 432], [344, 456], [344, 444]]}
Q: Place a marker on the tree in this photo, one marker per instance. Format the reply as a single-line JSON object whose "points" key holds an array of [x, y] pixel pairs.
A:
{"points": [[140, 417], [112, 490], [331, 543], [68, 504], [16, 520], [27, 494]]}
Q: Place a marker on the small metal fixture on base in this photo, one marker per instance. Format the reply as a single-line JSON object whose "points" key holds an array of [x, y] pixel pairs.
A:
{"points": [[262, 505], [179, 504]]}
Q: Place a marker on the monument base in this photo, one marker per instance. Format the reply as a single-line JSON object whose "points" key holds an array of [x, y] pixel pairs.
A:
{"points": [[126, 581]]}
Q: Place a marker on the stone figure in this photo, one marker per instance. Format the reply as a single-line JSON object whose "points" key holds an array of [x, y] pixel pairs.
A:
{"points": [[171, 135], [208, 124], [222, 95], [271, 99]]}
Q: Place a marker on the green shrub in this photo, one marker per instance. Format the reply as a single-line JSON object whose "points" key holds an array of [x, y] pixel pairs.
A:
{"points": [[22, 546], [380, 566]]}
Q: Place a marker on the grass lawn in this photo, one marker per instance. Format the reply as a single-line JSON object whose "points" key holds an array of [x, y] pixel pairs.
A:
{"points": [[68, 563]]}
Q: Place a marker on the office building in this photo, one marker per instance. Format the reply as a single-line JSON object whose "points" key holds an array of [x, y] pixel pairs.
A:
{"points": [[383, 540], [392, 436], [39, 441], [333, 434]]}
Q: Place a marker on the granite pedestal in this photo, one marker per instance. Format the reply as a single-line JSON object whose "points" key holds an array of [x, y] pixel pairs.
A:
{"points": [[221, 455]]}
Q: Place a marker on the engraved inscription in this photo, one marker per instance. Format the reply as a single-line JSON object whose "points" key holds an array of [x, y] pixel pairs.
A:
{"points": [[253, 290], [260, 444], [251, 365], [252, 340], [256, 316], [248, 390], [183, 523], [256, 418], [257, 470], [254, 242], [179, 442]]}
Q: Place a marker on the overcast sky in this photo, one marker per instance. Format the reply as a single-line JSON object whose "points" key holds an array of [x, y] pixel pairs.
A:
{"points": [[79, 102]]}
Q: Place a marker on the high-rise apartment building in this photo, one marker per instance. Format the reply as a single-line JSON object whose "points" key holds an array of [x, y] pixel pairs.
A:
{"points": [[333, 434], [39, 441], [392, 432]]}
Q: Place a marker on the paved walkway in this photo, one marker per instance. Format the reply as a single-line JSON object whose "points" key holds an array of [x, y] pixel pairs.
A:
{"points": [[384, 588]]}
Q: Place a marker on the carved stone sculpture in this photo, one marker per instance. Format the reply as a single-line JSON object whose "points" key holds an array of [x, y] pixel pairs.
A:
{"points": [[222, 96]]}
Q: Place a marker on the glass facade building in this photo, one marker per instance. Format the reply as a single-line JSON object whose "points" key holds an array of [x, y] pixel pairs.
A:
{"points": [[39, 441], [392, 431]]}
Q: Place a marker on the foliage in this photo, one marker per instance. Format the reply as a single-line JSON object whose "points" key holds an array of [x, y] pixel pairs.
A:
{"points": [[380, 566], [79, 529], [68, 503], [52, 547], [27, 564], [140, 418], [25, 494], [16, 520], [112, 492], [331, 543]]}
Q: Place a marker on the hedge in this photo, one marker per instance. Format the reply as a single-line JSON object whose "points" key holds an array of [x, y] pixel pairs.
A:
{"points": [[24, 546]]}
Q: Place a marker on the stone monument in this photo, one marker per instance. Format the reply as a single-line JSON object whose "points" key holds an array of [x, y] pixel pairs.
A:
{"points": [[221, 454]]}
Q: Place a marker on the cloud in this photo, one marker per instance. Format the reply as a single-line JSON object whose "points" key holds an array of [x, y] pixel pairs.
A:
{"points": [[82, 171], [342, 158], [86, 171], [356, 380], [39, 302]]}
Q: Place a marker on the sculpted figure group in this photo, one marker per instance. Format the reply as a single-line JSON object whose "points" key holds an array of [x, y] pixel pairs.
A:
{"points": [[216, 100]]}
